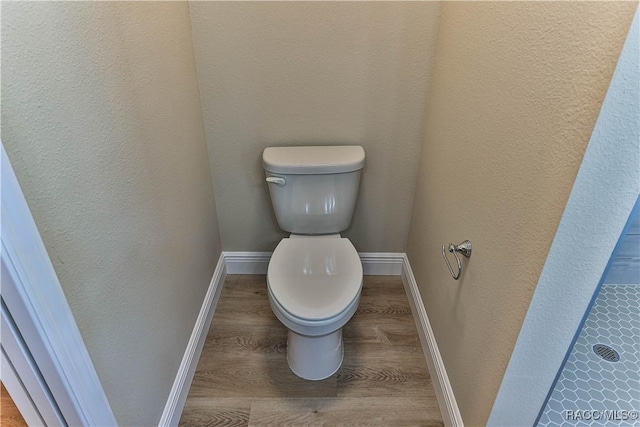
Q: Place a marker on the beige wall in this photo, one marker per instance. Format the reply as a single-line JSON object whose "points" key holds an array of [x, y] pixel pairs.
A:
{"points": [[515, 94], [101, 119], [314, 73]]}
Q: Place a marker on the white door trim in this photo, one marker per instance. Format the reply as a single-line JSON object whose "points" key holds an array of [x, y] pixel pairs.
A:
{"points": [[32, 395], [18, 391], [603, 195], [32, 295]]}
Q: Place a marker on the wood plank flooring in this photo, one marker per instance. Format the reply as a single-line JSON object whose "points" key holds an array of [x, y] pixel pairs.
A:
{"points": [[243, 379]]}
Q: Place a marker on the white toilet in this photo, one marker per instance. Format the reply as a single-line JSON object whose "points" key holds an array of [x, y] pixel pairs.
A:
{"points": [[315, 276]]}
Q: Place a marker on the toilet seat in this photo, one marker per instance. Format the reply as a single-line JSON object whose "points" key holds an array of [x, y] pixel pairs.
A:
{"points": [[313, 327], [315, 279]]}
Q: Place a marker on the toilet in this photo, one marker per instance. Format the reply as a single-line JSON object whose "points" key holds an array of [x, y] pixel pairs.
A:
{"points": [[314, 277]]}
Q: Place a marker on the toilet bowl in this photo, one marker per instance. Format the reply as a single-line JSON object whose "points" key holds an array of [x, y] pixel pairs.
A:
{"points": [[314, 285], [314, 276]]}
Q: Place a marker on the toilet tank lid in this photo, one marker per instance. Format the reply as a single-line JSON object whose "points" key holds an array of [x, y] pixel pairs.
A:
{"points": [[314, 160]]}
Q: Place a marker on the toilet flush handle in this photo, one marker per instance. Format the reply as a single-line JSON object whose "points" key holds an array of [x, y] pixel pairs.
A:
{"points": [[280, 182]]}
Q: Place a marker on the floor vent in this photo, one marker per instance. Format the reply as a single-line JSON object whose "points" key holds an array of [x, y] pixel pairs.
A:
{"points": [[606, 352]]}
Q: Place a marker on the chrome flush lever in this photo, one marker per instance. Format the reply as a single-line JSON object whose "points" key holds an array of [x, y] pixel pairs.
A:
{"points": [[463, 248], [280, 182]]}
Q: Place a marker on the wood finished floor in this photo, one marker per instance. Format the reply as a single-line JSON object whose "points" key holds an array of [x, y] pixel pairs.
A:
{"points": [[243, 378]]}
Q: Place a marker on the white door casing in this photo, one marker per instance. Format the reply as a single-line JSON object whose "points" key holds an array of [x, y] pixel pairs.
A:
{"points": [[34, 300]]}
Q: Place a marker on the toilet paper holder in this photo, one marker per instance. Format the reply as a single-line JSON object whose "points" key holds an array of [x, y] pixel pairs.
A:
{"points": [[463, 248]]}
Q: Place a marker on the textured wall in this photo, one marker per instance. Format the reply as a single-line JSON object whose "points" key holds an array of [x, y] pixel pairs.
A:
{"points": [[101, 119], [515, 94], [314, 73], [603, 195]]}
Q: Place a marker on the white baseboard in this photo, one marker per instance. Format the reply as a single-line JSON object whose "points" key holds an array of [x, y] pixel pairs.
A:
{"points": [[373, 263], [247, 262], [444, 393], [181, 385], [381, 263]]}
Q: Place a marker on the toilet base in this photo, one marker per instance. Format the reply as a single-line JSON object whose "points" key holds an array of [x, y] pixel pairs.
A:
{"points": [[315, 358]]}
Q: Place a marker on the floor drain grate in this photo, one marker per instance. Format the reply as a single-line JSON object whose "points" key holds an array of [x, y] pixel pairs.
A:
{"points": [[606, 352]]}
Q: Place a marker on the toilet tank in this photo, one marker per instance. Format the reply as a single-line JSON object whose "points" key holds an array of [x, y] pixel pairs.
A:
{"points": [[313, 189]]}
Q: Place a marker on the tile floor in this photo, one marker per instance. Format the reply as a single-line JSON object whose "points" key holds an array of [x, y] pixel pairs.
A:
{"points": [[588, 385]]}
